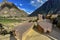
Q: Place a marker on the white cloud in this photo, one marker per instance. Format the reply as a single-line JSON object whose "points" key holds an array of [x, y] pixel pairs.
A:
{"points": [[42, 2], [39, 0], [25, 10], [21, 4], [37, 3], [21, 8], [32, 2]]}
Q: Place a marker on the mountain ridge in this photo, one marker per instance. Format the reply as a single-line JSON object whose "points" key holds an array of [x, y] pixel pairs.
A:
{"points": [[49, 7]]}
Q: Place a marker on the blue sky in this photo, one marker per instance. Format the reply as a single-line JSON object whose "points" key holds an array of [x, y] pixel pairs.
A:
{"points": [[27, 5]]}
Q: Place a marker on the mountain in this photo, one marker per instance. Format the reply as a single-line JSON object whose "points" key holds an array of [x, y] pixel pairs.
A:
{"points": [[49, 7], [8, 9]]}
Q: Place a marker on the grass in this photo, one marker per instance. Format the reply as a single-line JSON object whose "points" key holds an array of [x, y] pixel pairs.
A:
{"points": [[9, 20], [9, 24]]}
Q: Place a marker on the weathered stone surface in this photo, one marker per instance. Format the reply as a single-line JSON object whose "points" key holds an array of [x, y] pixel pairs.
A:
{"points": [[21, 30], [40, 17], [44, 26], [33, 35]]}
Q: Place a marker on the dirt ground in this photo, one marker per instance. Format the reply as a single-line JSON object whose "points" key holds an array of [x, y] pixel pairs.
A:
{"points": [[5, 37], [33, 35]]}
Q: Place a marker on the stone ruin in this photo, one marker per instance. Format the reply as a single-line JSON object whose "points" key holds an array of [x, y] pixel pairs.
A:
{"points": [[22, 30], [42, 26]]}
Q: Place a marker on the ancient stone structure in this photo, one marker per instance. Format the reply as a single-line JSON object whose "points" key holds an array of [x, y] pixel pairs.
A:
{"points": [[44, 26], [40, 17], [23, 29]]}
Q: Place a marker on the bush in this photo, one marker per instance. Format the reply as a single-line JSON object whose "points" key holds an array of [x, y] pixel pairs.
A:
{"points": [[58, 24], [4, 32]]}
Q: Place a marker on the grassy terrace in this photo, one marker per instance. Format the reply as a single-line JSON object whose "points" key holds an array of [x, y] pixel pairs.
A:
{"points": [[5, 20], [9, 24]]}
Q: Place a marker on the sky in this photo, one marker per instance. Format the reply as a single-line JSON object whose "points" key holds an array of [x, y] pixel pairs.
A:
{"points": [[27, 5]]}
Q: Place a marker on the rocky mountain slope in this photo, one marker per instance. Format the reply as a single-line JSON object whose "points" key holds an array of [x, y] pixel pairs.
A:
{"points": [[49, 7], [8, 9]]}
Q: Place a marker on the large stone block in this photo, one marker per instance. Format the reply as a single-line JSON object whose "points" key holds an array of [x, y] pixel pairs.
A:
{"points": [[44, 26], [23, 29]]}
